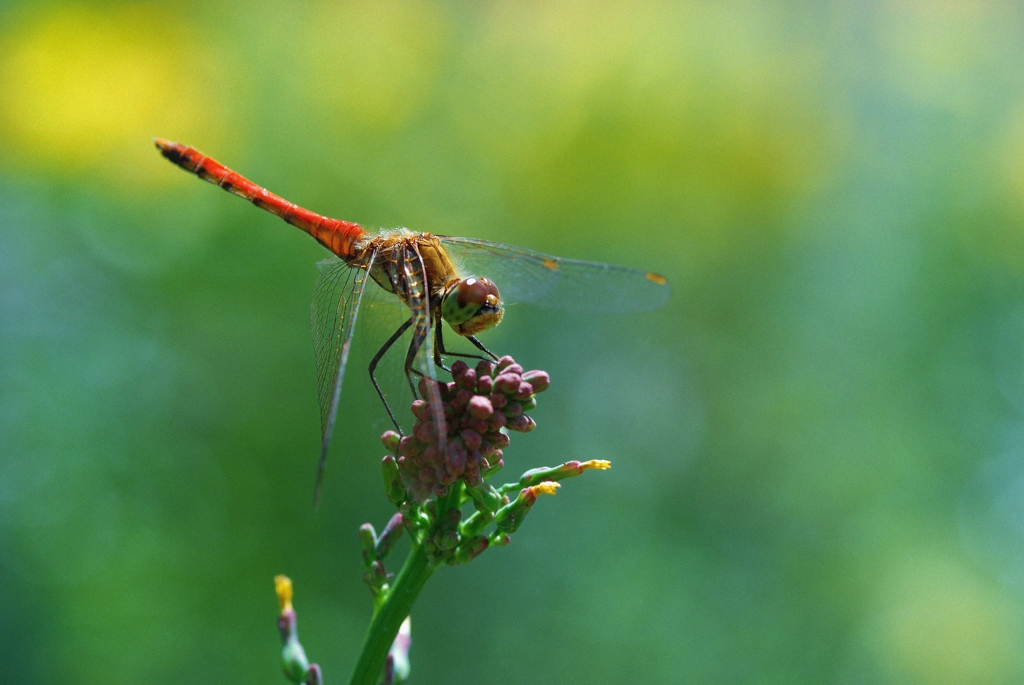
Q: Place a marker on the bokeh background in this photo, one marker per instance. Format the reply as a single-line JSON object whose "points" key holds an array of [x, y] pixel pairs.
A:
{"points": [[818, 445]]}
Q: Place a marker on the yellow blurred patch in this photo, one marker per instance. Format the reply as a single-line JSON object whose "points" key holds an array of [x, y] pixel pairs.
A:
{"points": [[689, 106], [940, 624], [82, 91], [546, 488], [375, 63], [283, 588]]}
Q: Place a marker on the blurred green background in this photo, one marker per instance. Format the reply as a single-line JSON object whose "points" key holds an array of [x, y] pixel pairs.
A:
{"points": [[818, 445]]}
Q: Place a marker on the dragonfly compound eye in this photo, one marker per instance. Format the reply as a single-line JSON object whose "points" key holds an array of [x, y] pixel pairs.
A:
{"points": [[473, 305]]}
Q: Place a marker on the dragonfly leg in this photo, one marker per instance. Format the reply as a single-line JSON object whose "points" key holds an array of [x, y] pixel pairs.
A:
{"points": [[439, 346], [439, 349], [418, 337], [480, 346], [431, 393], [373, 367]]}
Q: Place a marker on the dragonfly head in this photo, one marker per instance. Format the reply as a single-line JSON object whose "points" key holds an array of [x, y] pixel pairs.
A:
{"points": [[472, 305]]}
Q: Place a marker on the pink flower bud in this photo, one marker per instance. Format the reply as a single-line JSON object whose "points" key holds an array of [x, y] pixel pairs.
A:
{"points": [[507, 383], [425, 432], [409, 446], [540, 380], [484, 385], [455, 459], [524, 391], [480, 407], [472, 477], [466, 379], [522, 423], [462, 398], [496, 422], [445, 476], [420, 411], [390, 440], [471, 439], [430, 455]]}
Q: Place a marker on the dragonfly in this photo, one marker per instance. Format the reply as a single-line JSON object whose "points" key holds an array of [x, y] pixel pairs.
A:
{"points": [[440, 279]]}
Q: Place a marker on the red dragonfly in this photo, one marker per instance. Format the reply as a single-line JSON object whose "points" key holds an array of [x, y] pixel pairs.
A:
{"points": [[439, 278]]}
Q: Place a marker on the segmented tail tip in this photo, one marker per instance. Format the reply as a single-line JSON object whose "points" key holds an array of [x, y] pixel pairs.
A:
{"points": [[169, 149]]}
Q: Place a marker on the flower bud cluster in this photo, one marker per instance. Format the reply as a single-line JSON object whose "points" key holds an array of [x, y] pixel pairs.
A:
{"points": [[479, 406], [431, 474]]}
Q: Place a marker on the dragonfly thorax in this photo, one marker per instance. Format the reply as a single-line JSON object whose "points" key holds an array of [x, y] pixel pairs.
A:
{"points": [[411, 265], [418, 269]]}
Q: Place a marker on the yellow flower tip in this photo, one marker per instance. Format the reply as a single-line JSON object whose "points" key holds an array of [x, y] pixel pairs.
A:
{"points": [[548, 487], [599, 464], [283, 587]]}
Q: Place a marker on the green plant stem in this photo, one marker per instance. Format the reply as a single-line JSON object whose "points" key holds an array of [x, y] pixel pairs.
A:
{"points": [[452, 500], [388, 616], [388, 619]]}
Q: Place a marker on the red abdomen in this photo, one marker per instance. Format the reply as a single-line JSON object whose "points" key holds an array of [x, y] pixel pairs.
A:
{"points": [[340, 237]]}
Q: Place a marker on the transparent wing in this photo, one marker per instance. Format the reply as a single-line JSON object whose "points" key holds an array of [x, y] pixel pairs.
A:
{"points": [[336, 298], [527, 276]]}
